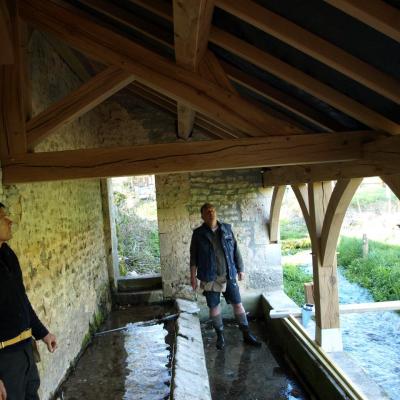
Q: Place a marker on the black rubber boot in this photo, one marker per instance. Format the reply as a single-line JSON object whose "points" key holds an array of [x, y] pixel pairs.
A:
{"points": [[248, 337], [220, 344]]}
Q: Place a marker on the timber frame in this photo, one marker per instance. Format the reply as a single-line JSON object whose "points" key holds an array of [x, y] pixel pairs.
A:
{"points": [[284, 95]]}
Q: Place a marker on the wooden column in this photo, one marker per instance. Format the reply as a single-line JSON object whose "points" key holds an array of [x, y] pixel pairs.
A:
{"points": [[327, 334], [12, 76], [324, 210], [276, 205]]}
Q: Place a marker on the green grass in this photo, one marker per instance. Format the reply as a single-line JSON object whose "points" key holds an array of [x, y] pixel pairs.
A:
{"points": [[295, 228], [293, 282], [379, 272]]}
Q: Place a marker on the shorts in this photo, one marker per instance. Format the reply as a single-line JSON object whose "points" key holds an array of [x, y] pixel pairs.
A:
{"points": [[232, 294]]}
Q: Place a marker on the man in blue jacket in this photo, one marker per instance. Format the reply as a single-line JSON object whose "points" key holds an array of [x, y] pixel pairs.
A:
{"points": [[19, 377], [216, 261]]}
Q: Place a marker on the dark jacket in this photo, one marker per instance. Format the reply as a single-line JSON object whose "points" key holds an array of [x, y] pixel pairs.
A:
{"points": [[16, 312], [202, 253]]}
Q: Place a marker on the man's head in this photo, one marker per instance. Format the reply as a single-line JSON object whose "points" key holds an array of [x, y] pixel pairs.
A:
{"points": [[209, 214], [5, 225]]}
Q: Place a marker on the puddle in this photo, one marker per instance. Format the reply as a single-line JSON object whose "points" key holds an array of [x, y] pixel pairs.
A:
{"points": [[244, 372], [134, 363]]}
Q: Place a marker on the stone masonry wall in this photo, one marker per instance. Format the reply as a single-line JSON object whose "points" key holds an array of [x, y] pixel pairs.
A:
{"points": [[240, 200], [59, 226]]}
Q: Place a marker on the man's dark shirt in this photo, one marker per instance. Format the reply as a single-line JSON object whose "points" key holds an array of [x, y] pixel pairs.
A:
{"points": [[16, 312]]}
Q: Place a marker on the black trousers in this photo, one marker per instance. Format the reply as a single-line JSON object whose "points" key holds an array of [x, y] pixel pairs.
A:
{"points": [[19, 373]]}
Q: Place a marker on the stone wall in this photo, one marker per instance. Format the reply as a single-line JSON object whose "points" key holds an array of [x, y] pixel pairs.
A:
{"points": [[60, 237], [240, 200]]}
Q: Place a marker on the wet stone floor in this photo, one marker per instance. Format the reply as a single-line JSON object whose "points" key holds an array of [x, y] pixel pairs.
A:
{"points": [[244, 372], [133, 364]]}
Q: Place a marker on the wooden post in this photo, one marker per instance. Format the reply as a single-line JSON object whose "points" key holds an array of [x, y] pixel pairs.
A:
{"points": [[309, 292]]}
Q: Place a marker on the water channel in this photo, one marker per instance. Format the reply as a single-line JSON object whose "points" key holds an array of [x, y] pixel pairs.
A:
{"points": [[373, 338], [134, 363]]}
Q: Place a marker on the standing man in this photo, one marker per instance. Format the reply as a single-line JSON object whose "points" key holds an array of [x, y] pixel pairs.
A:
{"points": [[216, 261], [19, 377]]}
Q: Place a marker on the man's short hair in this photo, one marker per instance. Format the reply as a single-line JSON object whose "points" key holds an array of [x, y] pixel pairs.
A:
{"points": [[2, 205], [204, 206]]}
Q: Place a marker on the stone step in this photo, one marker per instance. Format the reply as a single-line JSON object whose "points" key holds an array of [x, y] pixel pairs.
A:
{"points": [[138, 298], [148, 282]]}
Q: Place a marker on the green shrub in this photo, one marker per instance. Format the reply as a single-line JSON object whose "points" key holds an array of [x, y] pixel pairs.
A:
{"points": [[138, 240], [379, 272], [293, 246], [294, 278]]}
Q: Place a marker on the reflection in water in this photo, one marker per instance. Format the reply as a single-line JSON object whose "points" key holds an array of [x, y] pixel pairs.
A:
{"points": [[148, 374], [242, 372], [125, 365], [373, 338]]}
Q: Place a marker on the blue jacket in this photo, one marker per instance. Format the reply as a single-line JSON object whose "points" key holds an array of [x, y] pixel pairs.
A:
{"points": [[202, 253]]}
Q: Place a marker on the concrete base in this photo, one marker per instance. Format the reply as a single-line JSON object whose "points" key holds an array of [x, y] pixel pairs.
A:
{"points": [[310, 367], [136, 298], [190, 378], [329, 339]]}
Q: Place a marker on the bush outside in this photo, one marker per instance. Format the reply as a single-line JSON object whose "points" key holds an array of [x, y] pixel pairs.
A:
{"points": [[379, 272], [137, 231], [294, 278]]}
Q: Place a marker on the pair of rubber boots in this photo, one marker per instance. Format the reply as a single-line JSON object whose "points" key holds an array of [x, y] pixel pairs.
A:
{"points": [[248, 337]]}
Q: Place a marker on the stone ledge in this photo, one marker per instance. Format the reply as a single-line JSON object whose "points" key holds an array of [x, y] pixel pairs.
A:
{"points": [[190, 379]]}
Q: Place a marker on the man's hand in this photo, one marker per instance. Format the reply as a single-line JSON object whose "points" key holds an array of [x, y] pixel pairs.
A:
{"points": [[51, 343], [3, 393], [241, 276]]}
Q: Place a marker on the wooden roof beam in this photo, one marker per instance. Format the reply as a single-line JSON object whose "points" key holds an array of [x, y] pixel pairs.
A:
{"points": [[303, 81], [12, 82], [184, 157], [281, 99], [192, 21], [77, 103], [376, 13], [314, 46], [6, 43], [151, 69], [295, 174]]}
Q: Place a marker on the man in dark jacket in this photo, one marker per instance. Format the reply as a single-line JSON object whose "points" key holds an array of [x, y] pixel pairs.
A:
{"points": [[216, 261], [19, 324]]}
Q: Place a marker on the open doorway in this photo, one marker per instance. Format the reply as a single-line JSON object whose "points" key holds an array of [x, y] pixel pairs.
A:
{"points": [[135, 205]]}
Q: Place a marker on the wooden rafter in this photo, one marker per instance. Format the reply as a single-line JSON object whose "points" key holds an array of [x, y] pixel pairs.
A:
{"points": [[151, 69], [192, 21], [183, 157], [6, 44], [294, 174], [303, 81], [211, 68], [301, 193], [314, 46], [12, 78], [170, 105], [375, 13], [130, 20], [286, 72], [77, 103], [338, 203], [276, 205], [281, 99]]}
